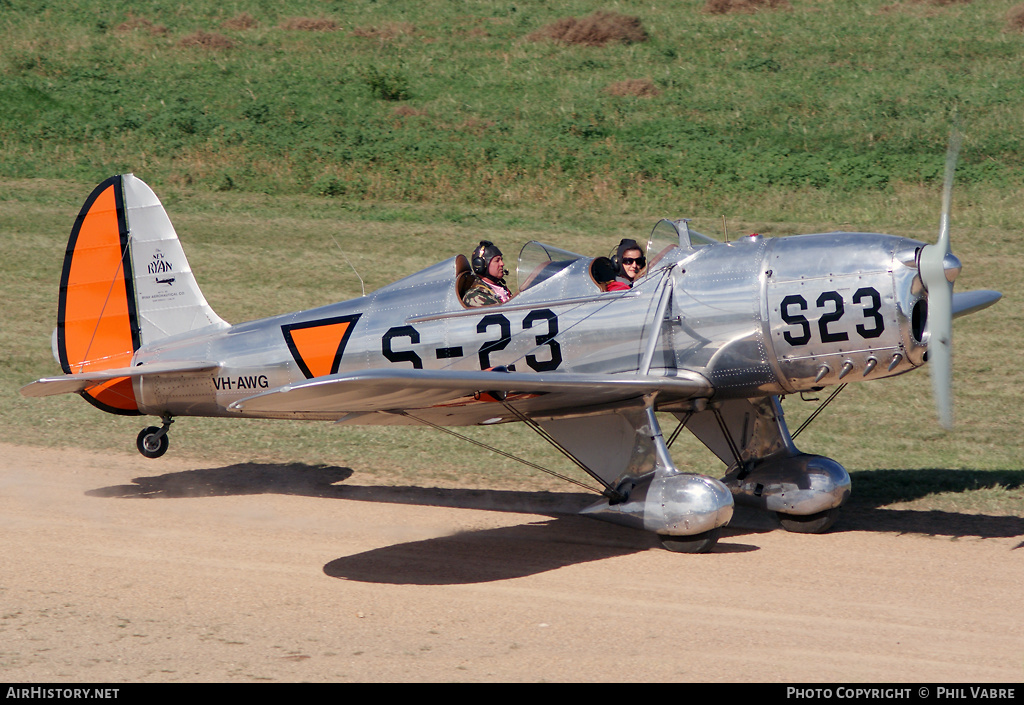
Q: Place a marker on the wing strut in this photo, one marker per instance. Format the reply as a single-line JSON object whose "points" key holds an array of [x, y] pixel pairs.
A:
{"points": [[610, 492], [516, 458], [659, 319]]}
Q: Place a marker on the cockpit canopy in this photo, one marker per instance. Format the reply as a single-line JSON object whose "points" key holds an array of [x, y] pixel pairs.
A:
{"points": [[669, 234], [539, 262]]}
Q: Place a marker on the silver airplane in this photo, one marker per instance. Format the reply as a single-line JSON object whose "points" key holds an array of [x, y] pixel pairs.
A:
{"points": [[711, 333]]}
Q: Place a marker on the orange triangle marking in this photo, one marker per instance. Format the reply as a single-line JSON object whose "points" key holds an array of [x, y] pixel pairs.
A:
{"points": [[318, 346]]}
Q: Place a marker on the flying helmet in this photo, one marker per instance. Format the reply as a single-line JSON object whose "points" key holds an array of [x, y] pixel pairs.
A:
{"points": [[482, 256], [625, 246]]}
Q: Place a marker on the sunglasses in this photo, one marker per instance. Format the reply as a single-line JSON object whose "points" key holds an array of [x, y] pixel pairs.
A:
{"points": [[635, 260]]}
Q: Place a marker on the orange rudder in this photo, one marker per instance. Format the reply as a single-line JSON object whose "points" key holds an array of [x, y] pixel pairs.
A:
{"points": [[97, 322]]}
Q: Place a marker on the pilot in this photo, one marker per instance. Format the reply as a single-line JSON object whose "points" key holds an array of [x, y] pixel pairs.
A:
{"points": [[489, 286], [629, 261]]}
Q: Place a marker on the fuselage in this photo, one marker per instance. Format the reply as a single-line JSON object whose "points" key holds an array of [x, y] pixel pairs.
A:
{"points": [[756, 317]]}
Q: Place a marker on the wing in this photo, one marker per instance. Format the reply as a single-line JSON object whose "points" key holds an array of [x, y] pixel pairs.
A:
{"points": [[69, 384], [461, 398]]}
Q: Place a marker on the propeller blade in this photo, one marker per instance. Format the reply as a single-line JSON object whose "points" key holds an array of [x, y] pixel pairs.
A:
{"points": [[939, 268], [940, 333]]}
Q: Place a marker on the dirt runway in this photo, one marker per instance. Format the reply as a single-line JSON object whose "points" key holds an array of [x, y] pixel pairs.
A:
{"points": [[119, 569]]}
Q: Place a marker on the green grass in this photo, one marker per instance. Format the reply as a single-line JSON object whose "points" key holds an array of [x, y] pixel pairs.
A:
{"points": [[452, 101], [416, 129]]}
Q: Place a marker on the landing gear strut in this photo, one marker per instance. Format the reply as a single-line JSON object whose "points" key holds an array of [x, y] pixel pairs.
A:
{"points": [[152, 442]]}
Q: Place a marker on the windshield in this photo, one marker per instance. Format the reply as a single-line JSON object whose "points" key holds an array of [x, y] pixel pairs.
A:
{"points": [[669, 234], [700, 239], [663, 238], [538, 262]]}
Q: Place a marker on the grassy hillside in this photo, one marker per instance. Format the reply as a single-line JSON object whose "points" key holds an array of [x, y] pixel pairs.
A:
{"points": [[277, 133], [492, 103]]}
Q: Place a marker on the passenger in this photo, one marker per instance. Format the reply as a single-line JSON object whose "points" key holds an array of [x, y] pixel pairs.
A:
{"points": [[604, 272], [630, 261], [489, 286]]}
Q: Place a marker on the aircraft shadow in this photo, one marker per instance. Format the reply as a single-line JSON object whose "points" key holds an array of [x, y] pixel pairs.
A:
{"points": [[492, 554], [564, 539], [873, 490], [328, 482], [464, 557], [238, 479]]}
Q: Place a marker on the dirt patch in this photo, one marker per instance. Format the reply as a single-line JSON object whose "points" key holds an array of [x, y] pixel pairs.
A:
{"points": [[206, 40], [408, 111], [596, 30], [636, 87], [385, 32], [133, 23], [1015, 19], [926, 4], [725, 7], [239, 22], [310, 24]]}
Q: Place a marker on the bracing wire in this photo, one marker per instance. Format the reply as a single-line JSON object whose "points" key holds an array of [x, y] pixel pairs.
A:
{"points": [[500, 452], [817, 411]]}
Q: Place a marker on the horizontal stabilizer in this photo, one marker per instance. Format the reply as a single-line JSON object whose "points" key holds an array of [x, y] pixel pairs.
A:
{"points": [[967, 302], [399, 390], [70, 384]]}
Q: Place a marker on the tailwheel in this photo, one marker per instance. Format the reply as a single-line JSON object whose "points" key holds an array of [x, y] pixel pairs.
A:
{"points": [[152, 442], [697, 543], [817, 523]]}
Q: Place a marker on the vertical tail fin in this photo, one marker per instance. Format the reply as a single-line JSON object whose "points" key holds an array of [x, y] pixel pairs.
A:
{"points": [[168, 297], [125, 282]]}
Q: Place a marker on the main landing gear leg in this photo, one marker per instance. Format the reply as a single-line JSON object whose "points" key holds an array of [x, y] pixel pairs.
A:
{"points": [[152, 441]]}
